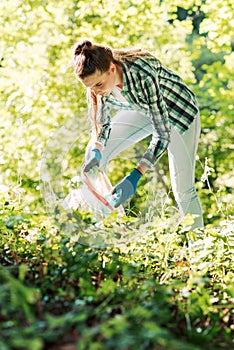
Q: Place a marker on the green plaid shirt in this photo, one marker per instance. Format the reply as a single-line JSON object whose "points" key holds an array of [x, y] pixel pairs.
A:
{"points": [[150, 87]]}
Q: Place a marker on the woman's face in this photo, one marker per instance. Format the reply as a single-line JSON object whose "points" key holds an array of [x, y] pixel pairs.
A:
{"points": [[102, 83]]}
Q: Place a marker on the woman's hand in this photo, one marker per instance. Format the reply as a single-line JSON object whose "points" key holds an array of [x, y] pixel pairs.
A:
{"points": [[127, 187], [93, 160]]}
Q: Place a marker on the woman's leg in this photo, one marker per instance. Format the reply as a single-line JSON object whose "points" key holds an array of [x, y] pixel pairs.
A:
{"points": [[182, 153]]}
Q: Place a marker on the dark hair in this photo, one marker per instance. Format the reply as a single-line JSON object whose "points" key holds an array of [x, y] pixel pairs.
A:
{"points": [[89, 57]]}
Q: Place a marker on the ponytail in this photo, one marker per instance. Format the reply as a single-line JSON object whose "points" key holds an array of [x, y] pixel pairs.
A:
{"points": [[94, 102]]}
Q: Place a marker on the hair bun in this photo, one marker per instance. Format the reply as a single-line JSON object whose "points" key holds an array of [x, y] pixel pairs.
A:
{"points": [[81, 47], [87, 44]]}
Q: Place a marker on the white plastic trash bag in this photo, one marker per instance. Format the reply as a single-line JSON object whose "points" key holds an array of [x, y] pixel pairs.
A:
{"points": [[93, 195]]}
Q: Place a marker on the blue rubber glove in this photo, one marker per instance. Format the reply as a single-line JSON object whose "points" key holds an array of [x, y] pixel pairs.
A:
{"points": [[127, 187], [94, 160]]}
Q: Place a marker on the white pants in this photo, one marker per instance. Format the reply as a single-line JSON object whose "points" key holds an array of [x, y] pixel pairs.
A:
{"points": [[129, 127]]}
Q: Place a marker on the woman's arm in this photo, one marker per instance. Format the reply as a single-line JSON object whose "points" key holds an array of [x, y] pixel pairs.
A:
{"points": [[161, 126]]}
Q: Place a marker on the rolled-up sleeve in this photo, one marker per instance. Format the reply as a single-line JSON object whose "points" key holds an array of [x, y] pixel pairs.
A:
{"points": [[157, 111]]}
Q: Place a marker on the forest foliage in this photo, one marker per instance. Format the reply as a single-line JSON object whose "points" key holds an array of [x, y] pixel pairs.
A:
{"points": [[136, 289]]}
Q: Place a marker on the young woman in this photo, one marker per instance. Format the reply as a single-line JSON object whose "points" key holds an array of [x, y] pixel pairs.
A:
{"points": [[150, 100]]}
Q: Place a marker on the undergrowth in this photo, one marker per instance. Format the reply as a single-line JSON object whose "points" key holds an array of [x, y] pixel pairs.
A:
{"points": [[123, 284]]}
